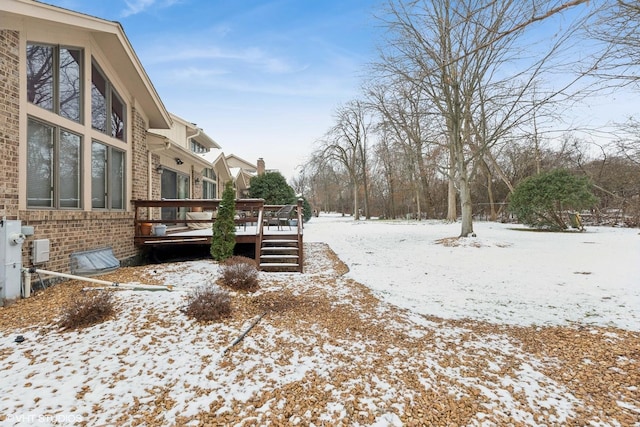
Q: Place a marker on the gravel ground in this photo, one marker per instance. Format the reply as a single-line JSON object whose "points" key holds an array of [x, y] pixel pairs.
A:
{"points": [[326, 353]]}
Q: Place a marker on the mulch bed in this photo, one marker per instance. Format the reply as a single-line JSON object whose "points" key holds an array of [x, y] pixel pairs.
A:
{"points": [[599, 367]]}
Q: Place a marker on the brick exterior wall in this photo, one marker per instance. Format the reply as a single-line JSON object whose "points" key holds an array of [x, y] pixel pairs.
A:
{"points": [[139, 156], [68, 231], [75, 231], [140, 162], [9, 123]]}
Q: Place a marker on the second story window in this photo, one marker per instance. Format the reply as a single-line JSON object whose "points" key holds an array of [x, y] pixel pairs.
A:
{"points": [[196, 147], [54, 79], [108, 111]]}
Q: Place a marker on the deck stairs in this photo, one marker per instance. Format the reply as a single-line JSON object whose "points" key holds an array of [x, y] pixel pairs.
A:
{"points": [[281, 253]]}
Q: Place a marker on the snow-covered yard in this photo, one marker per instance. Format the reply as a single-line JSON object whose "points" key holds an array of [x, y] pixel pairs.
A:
{"points": [[508, 328], [507, 274]]}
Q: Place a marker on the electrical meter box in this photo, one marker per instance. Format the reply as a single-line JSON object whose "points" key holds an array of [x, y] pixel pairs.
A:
{"points": [[11, 240]]}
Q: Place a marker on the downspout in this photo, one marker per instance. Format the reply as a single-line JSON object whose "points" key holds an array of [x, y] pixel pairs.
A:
{"points": [[150, 170], [193, 179], [198, 132]]}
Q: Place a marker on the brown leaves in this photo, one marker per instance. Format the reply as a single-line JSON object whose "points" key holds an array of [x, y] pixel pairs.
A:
{"points": [[356, 361]]}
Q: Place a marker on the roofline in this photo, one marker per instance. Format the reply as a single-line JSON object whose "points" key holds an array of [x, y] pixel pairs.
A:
{"points": [[242, 160], [198, 131], [175, 149]]}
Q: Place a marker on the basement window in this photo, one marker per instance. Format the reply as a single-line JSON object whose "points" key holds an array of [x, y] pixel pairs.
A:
{"points": [[93, 262]]}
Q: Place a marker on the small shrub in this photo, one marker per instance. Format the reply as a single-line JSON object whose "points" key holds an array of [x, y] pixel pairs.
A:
{"points": [[224, 227], [240, 273], [208, 304], [86, 309]]}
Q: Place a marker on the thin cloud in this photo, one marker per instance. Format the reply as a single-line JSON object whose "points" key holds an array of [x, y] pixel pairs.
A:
{"points": [[138, 6], [253, 57], [189, 73]]}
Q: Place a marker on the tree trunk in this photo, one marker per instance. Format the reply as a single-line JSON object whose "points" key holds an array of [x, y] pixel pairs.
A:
{"points": [[418, 209], [465, 202], [492, 205], [452, 211], [365, 186], [356, 213], [429, 208]]}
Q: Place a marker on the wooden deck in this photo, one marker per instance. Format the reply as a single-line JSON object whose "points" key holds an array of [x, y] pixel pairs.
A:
{"points": [[277, 247]]}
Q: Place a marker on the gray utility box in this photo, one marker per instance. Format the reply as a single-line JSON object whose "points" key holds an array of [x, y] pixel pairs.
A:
{"points": [[11, 240]]}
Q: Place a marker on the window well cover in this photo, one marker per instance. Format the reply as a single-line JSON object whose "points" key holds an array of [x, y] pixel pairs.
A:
{"points": [[92, 262]]}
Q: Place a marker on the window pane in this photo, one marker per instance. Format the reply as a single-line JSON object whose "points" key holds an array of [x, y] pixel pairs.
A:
{"points": [[196, 147], [209, 173], [208, 190], [183, 193], [169, 190], [40, 76], [69, 181], [117, 179], [98, 175], [117, 116], [70, 84], [98, 100], [39, 164]]}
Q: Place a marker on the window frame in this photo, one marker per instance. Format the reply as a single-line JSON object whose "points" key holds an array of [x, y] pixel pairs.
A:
{"points": [[55, 173], [197, 147], [175, 192], [108, 184], [209, 178], [56, 82], [110, 93]]}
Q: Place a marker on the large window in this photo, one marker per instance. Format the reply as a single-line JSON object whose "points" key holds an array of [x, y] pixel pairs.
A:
{"points": [[53, 166], [107, 177], [108, 111], [54, 79], [209, 184], [174, 185]]}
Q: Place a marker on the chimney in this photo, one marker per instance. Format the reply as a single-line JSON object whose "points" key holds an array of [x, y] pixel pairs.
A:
{"points": [[261, 167]]}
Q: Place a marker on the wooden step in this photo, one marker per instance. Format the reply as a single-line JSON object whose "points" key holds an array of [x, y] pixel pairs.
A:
{"points": [[280, 242], [279, 256], [280, 267]]}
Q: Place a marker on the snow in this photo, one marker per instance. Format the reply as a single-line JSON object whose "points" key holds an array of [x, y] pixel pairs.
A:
{"points": [[506, 275]]}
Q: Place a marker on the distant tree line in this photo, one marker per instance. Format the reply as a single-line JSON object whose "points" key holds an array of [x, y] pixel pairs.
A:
{"points": [[467, 99]]}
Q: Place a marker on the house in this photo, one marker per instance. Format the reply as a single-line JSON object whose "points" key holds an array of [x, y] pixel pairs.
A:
{"points": [[242, 172], [75, 114], [180, 170], [84, 132], [218, 174]]}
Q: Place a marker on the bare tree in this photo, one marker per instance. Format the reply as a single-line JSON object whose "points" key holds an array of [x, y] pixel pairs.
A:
{"points": [[346, 144], [404, 115], [463, 55], [619, 30]]}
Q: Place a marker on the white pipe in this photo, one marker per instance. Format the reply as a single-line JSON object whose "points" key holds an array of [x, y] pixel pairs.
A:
{"points": [[98, 281], [26, 283]]}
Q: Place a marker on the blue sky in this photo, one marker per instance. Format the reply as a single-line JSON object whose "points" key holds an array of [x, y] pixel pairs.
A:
{"points": [[262, 78]]}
